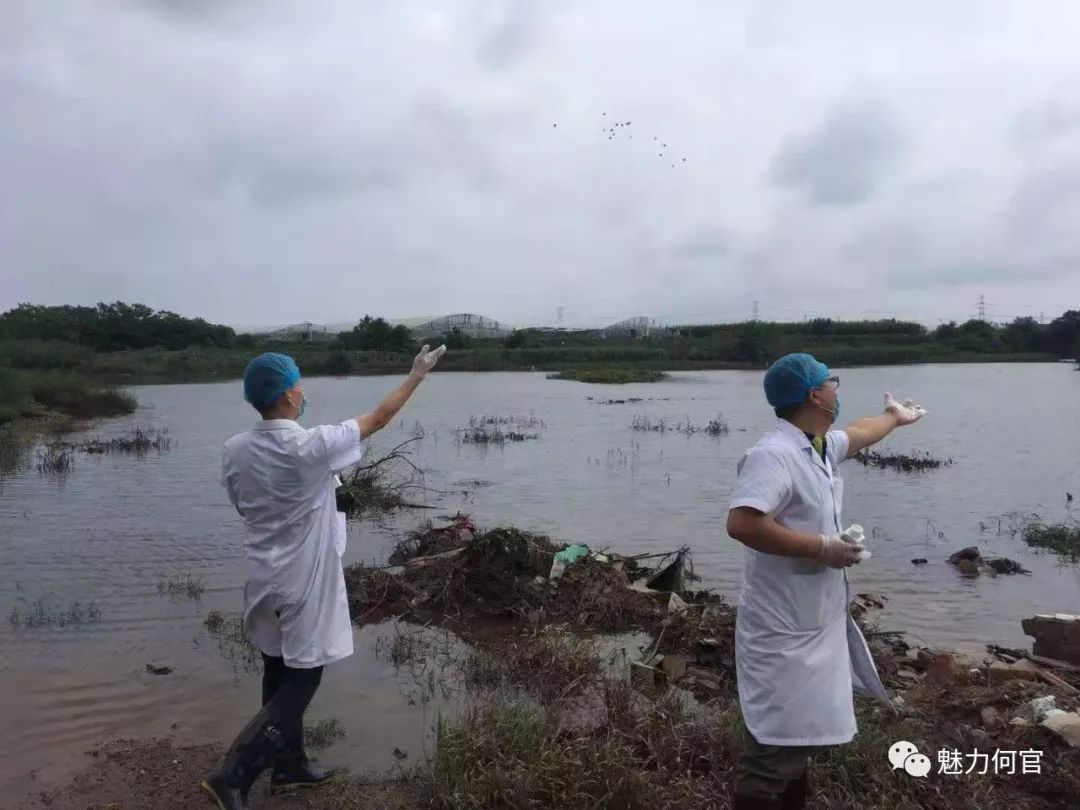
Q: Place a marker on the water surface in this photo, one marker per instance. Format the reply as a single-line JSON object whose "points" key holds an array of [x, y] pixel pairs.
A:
{"points": [[118, 526]]}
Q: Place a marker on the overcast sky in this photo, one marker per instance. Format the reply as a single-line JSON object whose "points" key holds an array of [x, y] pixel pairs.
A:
{"points": [[266, 162]]}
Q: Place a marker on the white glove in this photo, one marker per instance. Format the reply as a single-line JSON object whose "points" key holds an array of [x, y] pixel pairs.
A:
{"points": [[835, 553], [907, 413], [425, 361]]}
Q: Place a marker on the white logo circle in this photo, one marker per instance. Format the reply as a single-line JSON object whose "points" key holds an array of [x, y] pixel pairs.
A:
{"points": [[900, 751], [917, 765]]}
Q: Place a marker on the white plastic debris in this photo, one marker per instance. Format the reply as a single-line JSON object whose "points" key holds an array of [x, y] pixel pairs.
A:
{"points": [[1065, 724], [1041, 707]]}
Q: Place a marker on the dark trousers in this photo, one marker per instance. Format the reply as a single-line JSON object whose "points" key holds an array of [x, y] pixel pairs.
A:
{"points": [[770, 771], [290, 691]]}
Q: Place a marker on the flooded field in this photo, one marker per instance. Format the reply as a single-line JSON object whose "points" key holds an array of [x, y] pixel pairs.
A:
{"points": [[113, 560]]}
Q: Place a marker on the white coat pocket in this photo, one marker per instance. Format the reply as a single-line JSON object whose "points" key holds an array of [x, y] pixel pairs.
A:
{"points": [[808, 599]]}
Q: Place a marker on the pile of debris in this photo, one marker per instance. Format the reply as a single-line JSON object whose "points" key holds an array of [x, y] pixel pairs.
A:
{"points": [[694, 650], [456, 573], [1011, 690], [971, 563]]}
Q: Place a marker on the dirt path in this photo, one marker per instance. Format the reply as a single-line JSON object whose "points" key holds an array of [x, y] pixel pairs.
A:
{"points": [[140, 775]]}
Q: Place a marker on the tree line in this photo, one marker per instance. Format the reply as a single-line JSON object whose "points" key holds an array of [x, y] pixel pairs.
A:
{"points": [[32, 334], [112, 327]]}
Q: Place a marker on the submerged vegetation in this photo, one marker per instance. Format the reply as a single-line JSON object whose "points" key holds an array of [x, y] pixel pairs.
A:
{"points": [[383, 484], [1062, 539], [321, 735], [228, 631], [139, 441], [610, 376], [717, 426], [487, 430], [44, 612], [55, 459], [186, 586], [903, 462]]}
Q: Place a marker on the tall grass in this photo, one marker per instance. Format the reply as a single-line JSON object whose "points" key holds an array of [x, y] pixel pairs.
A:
{"points": [[77, 396]]}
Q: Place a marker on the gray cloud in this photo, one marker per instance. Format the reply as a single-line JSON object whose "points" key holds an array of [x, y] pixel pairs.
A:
{"points": [[1045, 122], [263, 160], [707, 243], [843, 160], [517, 25]]}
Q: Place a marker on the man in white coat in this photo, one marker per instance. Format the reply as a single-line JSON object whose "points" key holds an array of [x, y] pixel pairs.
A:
{"points": [[281, 478], [798, 653]]}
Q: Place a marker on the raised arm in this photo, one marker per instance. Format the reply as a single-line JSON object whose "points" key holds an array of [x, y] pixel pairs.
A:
{"points": [[386, 410], [867, 432]]}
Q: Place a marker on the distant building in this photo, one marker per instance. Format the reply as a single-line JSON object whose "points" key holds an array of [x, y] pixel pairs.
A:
{"points": [[303, 332], [476, 326], [632, 327]]}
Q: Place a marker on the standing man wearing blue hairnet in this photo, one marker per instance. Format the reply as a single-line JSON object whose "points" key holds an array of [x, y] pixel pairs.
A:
{"points": [[281, 479], [798, 653]]}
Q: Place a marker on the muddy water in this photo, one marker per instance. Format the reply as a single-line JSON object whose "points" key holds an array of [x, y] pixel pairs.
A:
{"points": [[118, 526]]}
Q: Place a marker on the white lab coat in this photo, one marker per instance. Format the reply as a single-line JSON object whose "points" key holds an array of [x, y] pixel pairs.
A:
{"points": [[798, 653], [281, 479]]}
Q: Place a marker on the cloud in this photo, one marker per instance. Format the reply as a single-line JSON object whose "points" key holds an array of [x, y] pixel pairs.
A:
{"points": [[706, 243], [845, 158], [263, 160], [1046, 122], [512, 28]]}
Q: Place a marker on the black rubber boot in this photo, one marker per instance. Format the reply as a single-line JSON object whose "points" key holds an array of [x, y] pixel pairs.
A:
{"points": [[756, 803], [251, 753], [794, 795], [295, 770]]}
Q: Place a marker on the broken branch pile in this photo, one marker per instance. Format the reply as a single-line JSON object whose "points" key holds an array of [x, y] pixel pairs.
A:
{"points": [[454, 572]]}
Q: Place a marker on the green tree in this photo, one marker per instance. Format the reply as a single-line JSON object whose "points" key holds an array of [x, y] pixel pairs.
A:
{"points": [[947, 332], [752, 342], [112, 327], [375, 334], [456, 339], [1063, 334], [1023, 335], [338, 363]]}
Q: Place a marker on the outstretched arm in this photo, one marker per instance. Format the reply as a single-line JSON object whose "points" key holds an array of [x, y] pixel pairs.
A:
{"points": [[386, 410], [870, 431]]}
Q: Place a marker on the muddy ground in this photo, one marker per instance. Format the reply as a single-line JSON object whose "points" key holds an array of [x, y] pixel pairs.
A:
{"points": [[158, 774], [552, 725]]}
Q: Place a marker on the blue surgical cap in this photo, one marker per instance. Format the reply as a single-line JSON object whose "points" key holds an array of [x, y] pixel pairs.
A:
{"points": [[789, 380], [269, 376]]}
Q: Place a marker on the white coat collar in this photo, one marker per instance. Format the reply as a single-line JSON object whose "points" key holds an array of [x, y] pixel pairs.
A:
{"points": [[274, 424], [795, 435]]}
